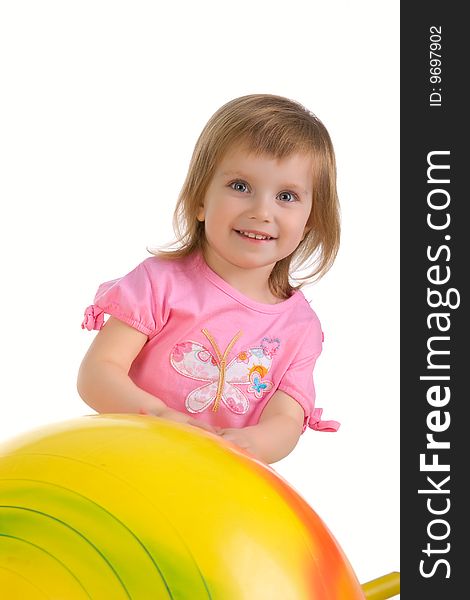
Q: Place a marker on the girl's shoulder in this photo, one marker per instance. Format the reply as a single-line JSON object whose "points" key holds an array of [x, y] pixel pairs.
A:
{"points": [[160, 264], [159, 268], [303, 308], [307, 322]]}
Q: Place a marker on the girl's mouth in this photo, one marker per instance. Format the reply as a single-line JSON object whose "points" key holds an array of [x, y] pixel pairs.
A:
{"points": [[253, 236]]}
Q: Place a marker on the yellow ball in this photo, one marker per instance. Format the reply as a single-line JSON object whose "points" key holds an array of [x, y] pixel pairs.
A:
{"points": [[125, 506]]}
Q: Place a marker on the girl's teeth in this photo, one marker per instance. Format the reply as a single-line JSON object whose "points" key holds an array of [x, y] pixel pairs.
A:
{"points": [[254, 235]]}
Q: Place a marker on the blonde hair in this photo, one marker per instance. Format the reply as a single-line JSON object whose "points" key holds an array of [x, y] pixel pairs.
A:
{"points": [[277, 127]]}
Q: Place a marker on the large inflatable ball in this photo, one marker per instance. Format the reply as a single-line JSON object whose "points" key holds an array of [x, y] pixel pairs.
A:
{"points": [[113, 507]]}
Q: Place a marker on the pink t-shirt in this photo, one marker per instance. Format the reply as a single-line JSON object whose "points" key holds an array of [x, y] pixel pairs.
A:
{"points": [[211, 351]]}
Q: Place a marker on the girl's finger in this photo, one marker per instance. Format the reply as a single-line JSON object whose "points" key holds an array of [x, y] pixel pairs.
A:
{"points": [[202, 425]]}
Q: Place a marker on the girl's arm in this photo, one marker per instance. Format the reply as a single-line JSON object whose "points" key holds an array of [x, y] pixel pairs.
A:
{"points": [[277, 432], [103, 381]]}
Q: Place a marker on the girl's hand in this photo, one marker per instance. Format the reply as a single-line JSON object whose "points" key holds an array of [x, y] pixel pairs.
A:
{"points": [[175, 415], [243, 438]]}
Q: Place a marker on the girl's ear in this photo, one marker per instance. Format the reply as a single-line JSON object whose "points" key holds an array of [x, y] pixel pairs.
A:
{"points": [[200, 215]]}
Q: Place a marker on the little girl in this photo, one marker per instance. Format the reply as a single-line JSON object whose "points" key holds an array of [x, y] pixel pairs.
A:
{"points": [[214, 333]]}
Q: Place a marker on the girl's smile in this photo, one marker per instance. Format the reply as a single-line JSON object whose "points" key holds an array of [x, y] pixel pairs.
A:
{"points": [[255, 236]]}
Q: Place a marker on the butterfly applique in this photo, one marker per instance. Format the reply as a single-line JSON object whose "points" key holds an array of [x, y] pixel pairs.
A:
{"points": [[258, 386], [270, 345], [248, 368]]}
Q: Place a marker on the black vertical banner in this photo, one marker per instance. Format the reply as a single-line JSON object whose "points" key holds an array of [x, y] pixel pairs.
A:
{"points": [[434, 262]]}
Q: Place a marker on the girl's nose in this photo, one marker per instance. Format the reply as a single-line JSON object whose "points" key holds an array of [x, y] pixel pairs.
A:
{"points": [[261, 207]]}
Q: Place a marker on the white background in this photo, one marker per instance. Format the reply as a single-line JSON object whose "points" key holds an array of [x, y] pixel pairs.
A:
{"points": [[101, 105]]}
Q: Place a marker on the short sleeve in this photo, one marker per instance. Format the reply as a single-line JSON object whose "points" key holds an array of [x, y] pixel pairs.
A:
{"points": [[130, 299], [298, 383]]}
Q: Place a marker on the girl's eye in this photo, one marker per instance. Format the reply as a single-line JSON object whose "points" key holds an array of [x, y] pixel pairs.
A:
{"points": [[287, 197], [239, 186]]}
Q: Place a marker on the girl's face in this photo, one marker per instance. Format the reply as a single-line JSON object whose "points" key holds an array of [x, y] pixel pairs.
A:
{"points": [[256, 208]]}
